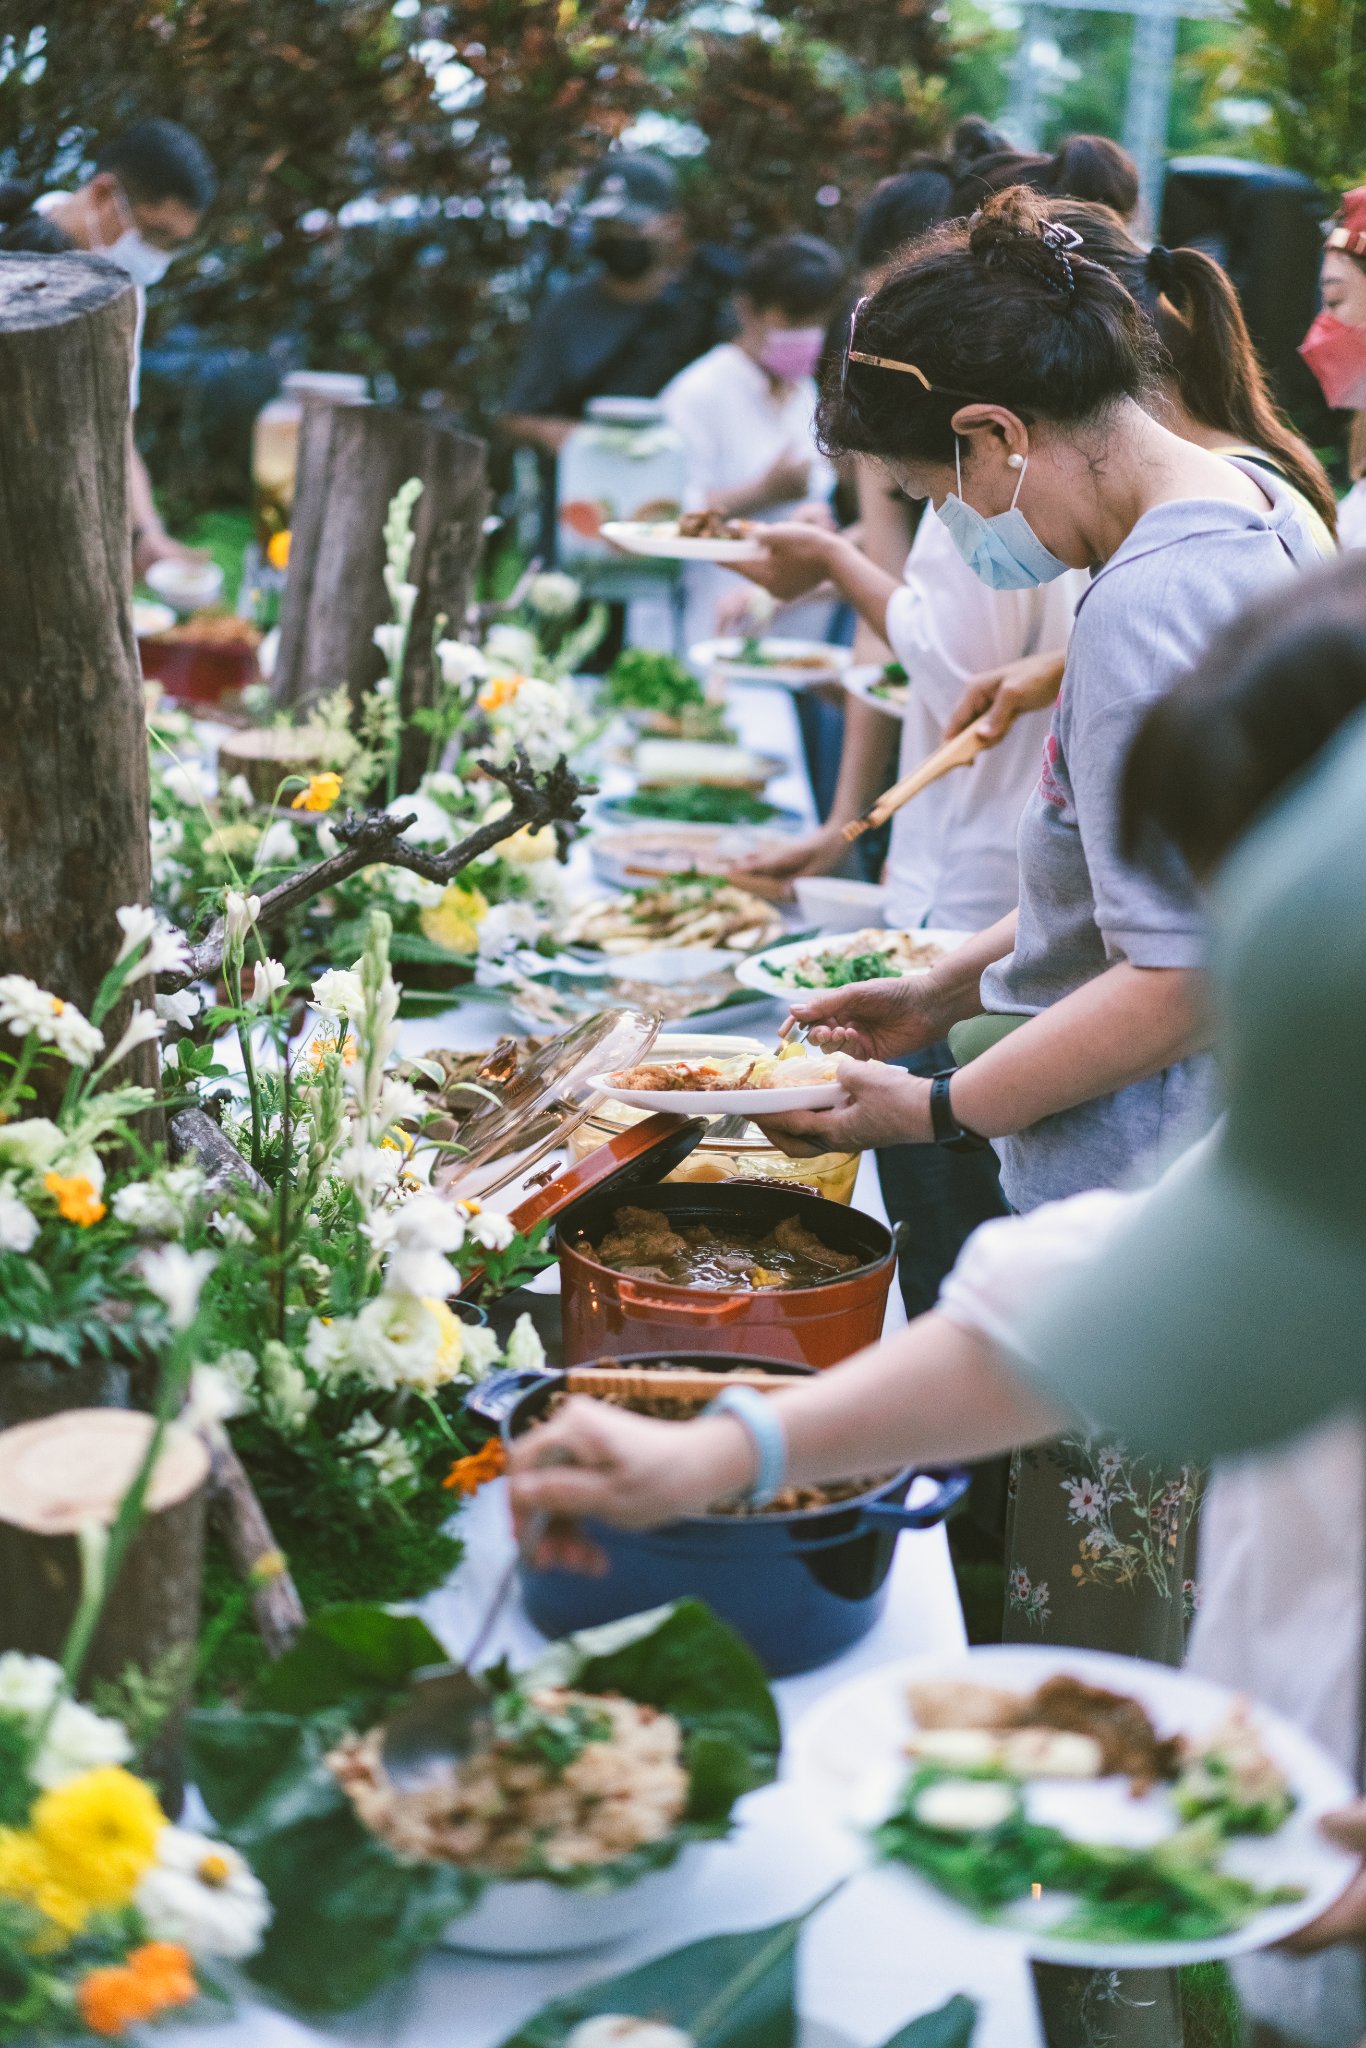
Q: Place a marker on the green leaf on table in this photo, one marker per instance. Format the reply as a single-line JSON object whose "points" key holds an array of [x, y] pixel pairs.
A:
{"points": [[356, 1654], [951, 2026], [730, 1991]]}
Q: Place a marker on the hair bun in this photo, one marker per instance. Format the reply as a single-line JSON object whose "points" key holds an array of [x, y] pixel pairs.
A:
{"points": [[1013, 230]]}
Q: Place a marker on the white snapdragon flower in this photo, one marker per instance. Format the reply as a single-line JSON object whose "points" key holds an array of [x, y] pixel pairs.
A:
{"points": [[287, 1400], [553, 594], [415, 1238], [179, 1009], [460, 663], [367, 1429], [431, 826], [240, 913], [137, 923], [327, 1348], [24, 1006], [389, 638], [268, 979], [187, 782], [31, 1142], [340, 992], [392, 1460], [524, 1351], [488, 1227], [176, 1277], [18, 1224], [399, 1102], [168, 952], [368, 1170], [395, 1342], [232, 1228], [512, 649], [213, 1399], [402, 595], [27, 1684], [75, 1741], [506, 927], [202, 1895], [241, 792], [278, 846], [480, 1351], [159, 1206], [143, 1026]]}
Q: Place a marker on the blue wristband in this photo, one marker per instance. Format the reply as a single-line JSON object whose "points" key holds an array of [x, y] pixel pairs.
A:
{"points": [[757, 1415]]}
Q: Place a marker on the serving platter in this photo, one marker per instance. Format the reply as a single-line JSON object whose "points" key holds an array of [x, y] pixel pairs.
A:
{"points": [[611, 811], [661, 540], [648, 849], [786, 664], [866, 680], [748, 1102], [771, 972], [849, 1754]]}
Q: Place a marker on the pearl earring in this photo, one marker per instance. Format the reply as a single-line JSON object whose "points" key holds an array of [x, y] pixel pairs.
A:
{"points": [[1014, 462]]}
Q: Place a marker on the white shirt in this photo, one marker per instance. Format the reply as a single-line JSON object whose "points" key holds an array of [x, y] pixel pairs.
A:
{"points": [[44, 203], [952, 861], [1352, 517], [734, 426]]}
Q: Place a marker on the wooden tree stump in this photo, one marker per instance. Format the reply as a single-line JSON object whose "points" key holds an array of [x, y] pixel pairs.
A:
{"points": [[75, 1468], [73, 766], [351, 461]]}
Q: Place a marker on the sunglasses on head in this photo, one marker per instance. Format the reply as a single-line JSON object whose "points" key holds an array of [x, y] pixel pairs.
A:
{"points": [[871, 362]]}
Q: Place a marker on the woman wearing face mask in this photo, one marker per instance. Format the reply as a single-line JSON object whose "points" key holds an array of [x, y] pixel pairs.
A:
{"points": [[744, 410], [1335, 350]]}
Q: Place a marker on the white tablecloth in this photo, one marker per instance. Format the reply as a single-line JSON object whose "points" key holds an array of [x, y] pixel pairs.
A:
{"points": [[878, 1954]]}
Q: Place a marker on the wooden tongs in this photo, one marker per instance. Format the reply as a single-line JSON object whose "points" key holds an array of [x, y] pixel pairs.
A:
{"points": [[959, 752], [608, 1383]]}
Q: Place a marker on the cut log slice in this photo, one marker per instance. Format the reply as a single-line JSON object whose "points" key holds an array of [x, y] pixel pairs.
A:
{"points": [[75, 1468], [265, 755]]}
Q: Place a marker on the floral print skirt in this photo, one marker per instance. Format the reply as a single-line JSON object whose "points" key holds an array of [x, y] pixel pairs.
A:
{"points": [[1100, 1554]]}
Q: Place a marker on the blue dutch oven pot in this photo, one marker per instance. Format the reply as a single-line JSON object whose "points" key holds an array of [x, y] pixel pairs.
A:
{"points": [[800, 1588]]}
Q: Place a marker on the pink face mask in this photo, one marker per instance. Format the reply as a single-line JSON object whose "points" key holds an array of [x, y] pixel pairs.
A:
{"points": [[1336, 353], [792, 352]]}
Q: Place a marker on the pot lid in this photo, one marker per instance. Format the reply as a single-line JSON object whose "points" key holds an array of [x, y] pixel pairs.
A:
{"points": [[545, 1098], [640, 1157]]}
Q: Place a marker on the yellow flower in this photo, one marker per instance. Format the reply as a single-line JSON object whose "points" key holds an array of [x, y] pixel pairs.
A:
{"points": [[454, 921], [450, 1350], [277, 549], [100, 1831], [76, 1197], [500, 691], [322, 792], [528, 846], [324, 1043], [28, 1874]]}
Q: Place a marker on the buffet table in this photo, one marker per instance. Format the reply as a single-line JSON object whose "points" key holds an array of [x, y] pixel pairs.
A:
{"points": [[872, 1960]]}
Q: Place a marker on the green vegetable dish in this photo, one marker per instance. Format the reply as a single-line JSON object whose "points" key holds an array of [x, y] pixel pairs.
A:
{"points": [[838, 970], [641, 680], [699, 803]]}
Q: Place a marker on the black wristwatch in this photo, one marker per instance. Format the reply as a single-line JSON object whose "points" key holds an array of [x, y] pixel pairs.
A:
{"points": [[948, 1132]]}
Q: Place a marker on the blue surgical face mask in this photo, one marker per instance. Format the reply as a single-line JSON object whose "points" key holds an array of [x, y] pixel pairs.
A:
{"points": [[1004, 551]]}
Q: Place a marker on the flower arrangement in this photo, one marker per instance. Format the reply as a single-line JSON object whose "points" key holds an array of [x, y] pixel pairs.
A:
{"points": [[110, 1915]]}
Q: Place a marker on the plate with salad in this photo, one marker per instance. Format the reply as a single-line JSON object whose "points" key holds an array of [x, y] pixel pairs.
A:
{"points": [[1109, 1811], [696, 803], [872, 954], [885, 686], [787, 664]]}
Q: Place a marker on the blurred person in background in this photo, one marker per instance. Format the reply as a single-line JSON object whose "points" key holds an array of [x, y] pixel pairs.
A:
{"points": [[745, 411], [1084, 167], [650, 304], [151, 188], [1335, 350]]}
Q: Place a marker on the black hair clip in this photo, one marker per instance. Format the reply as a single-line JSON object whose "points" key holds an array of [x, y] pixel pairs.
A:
{"points": [[1058, 238]]}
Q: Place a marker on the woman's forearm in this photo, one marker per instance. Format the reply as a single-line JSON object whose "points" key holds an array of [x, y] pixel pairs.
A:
{"points": [[958, 976], [1123, 1026], [867, 760], [866, 586]]}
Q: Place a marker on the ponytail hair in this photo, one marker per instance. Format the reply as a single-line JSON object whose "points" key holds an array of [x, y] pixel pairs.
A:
{"points": [[1087, 167], [1206, 349]]}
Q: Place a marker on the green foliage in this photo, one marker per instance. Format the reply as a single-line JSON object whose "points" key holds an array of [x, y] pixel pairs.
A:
{"points": [[642, 680], [357, 1656], [952, 2026], [144, 1700], [1309, 62], [16, 1750]]}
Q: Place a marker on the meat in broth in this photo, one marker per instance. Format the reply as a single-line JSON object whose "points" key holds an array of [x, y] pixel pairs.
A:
{"points": [[646, 1245]]}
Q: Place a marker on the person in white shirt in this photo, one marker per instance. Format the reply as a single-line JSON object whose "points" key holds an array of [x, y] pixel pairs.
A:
{"points": [[744, 410], [149, 192]]}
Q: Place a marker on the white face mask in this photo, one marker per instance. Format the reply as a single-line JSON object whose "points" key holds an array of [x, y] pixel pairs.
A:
{"points": [[1004, 550], [139, 258]]}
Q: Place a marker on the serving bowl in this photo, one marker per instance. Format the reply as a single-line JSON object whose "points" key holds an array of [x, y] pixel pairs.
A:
{"points": [[529, 1916]]}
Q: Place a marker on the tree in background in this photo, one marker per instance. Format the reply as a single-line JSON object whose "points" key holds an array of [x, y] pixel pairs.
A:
{"points": [[1308, 63], [395, 174]]}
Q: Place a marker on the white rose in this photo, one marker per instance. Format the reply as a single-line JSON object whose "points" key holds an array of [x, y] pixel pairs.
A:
{"points": [[27, 1684], [460, 663], [18, 1225], [78, 1740], [340, 992], [552, 594], [512, 649], [395, 1341], [202, 1895], [327, 1347], [33, 1142]]}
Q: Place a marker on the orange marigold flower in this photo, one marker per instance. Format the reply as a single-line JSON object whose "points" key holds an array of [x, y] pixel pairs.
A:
{"points": [[322, 792], [467, 1475], [163, 1969], [499, 692], [155, 1976], [75, 1197]]}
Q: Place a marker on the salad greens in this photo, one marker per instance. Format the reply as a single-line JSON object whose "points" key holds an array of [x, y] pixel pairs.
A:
{"points": [[838, 970], [1172, 1891], [348, 1914], [642, 680], [699, 803]]}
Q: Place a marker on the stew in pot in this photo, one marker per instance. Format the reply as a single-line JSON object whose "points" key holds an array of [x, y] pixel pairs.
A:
{"points": [[647, 1245]]}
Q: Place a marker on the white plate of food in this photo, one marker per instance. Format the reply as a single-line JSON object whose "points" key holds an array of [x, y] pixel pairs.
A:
{"points": [[661, 764], [744, 1084], [804, 966], [693, 537], [788, 664], [623, 854], [682, 910], [1109, 1811], [884, 685]]}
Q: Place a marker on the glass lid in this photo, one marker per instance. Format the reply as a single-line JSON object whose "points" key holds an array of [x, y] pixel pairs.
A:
{"points": [[526, 1105]]}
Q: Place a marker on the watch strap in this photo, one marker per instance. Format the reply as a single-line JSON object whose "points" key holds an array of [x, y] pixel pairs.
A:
{"points": [[755, 1413], [948, 1132]]}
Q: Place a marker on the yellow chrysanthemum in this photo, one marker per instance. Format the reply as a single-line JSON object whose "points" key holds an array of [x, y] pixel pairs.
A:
{"points": [[322, 792], [277, 549], [450, 1353], [528, 846], [76, 1197], [28, 1874], [454, 921], [501, 690], [100, 1831]]}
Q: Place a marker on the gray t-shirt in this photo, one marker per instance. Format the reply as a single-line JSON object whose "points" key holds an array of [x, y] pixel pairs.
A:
{"points": [[1187, 570]]}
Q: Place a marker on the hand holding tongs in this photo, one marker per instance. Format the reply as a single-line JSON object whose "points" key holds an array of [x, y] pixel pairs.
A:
{"points": [[958, 752]]}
